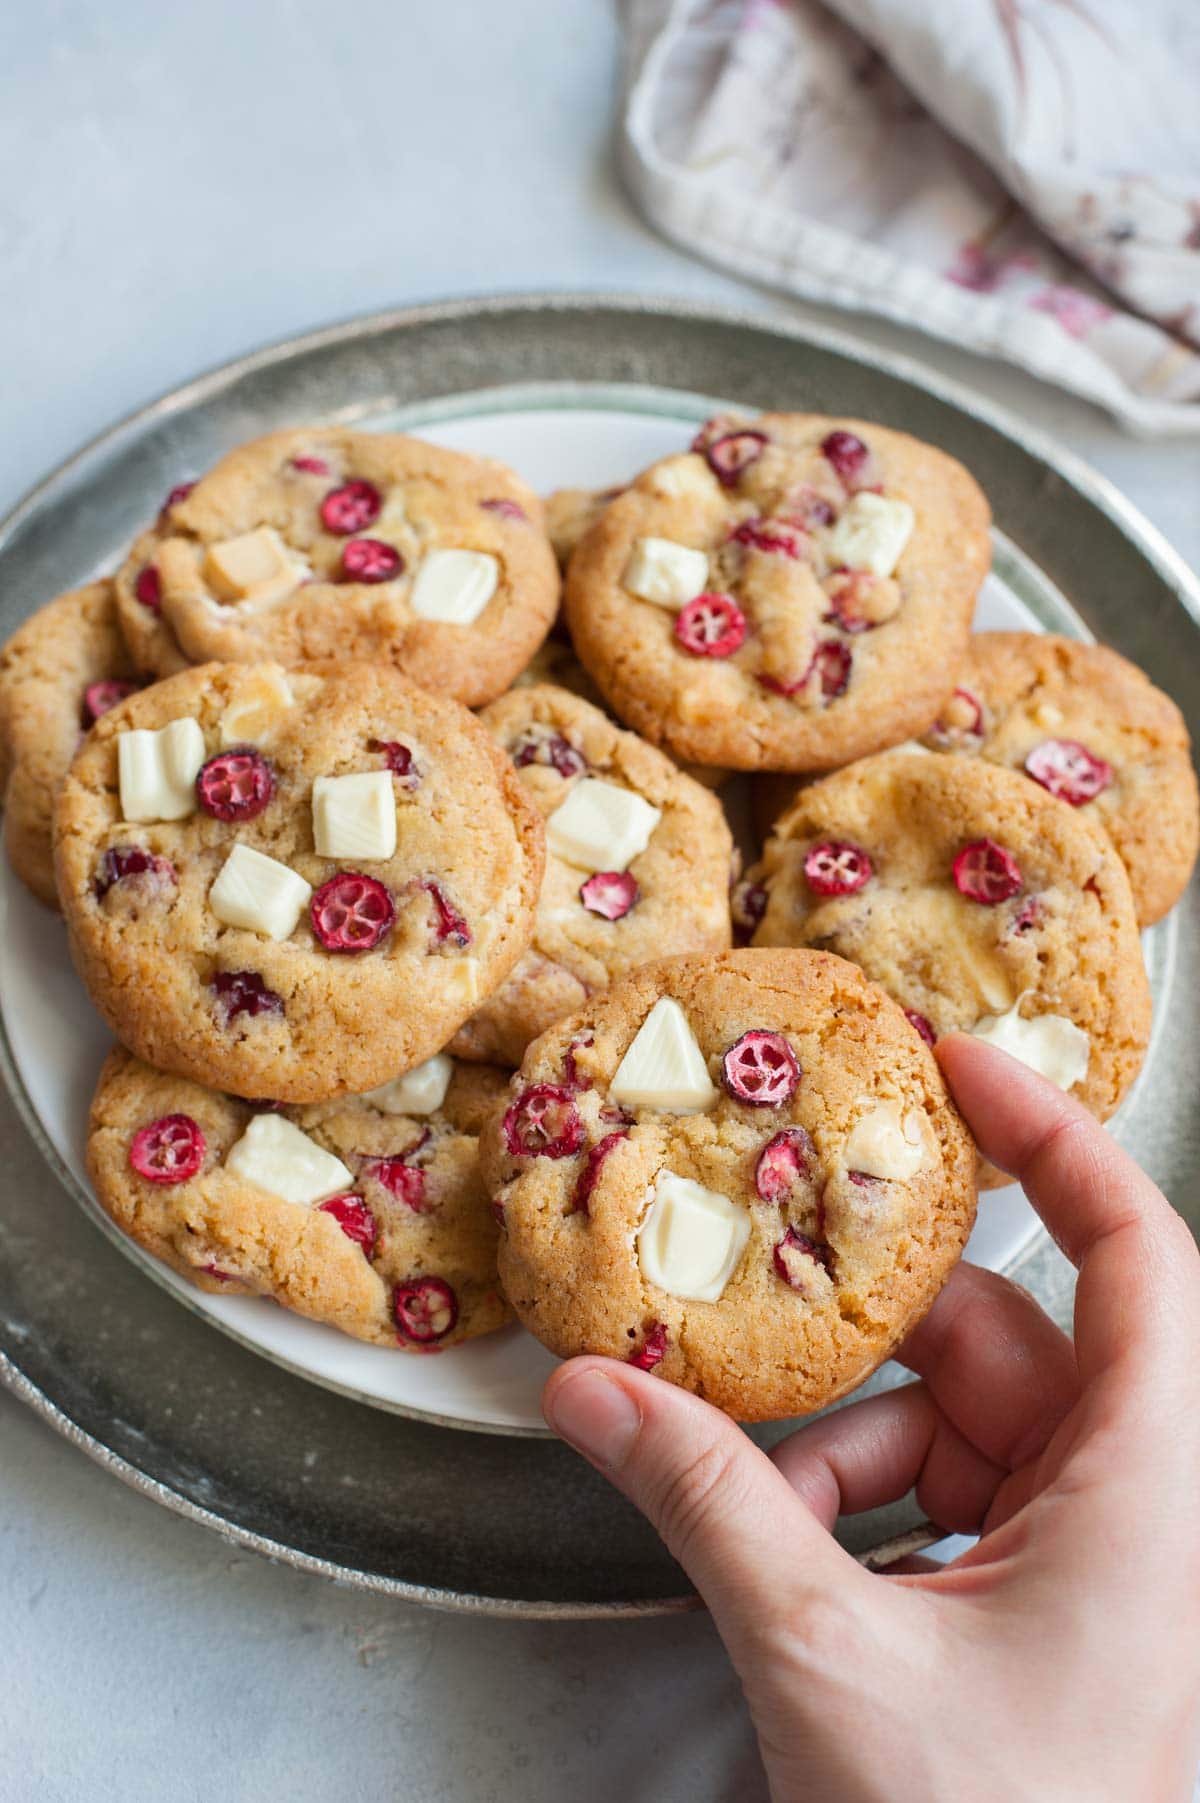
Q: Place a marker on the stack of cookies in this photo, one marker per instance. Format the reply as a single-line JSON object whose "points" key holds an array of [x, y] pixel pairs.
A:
{"points": [[428, 1015]]}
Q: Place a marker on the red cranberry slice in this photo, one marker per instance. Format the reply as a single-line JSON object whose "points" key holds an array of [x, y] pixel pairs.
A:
{"points": [[784, 1164], [1069, 770], [731, 456], [355, 1220], [148, 588], [551, 749], [497, 1211], [370, 560], [508, 510], [169, 1150], [610, 893], [847, 593], [795, 1256], [962, 723], [832, 662], [985, 872], [543, 1122], [98, 697], [180, 492], [221, 1276], [425, 1309], [846, 453], [808, 507], [125, 863], [351, 912], [243, 992], [920, 1025], [399, 1179], [711, 626], [777, 537], [311, 466], [835, 867], [747, 904], [399, 760], [1027, 916], [719, 426], [761, 1070], [652, 1350], [571, 1073], [236, 784], [351, 507], [448, 923], [589, 1177]]}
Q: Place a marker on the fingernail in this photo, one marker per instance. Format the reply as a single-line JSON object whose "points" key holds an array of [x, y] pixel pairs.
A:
{"points": [[597, 1416]]}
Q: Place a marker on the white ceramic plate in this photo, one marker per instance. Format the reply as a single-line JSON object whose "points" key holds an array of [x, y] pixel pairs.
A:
{"points": [[556, 436]]}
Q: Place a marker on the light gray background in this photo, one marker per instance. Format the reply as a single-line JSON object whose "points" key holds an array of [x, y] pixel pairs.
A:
{"points": [[178, 185]]}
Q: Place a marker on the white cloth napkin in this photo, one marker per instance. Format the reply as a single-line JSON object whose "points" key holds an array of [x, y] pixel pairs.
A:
{"points": [[1019, 176]]}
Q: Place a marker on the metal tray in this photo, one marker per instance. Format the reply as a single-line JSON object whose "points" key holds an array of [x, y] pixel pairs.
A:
{"points": [[496, 1524]]}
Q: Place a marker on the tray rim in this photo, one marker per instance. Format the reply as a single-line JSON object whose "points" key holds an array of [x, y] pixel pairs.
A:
{"points": [[1097, 489]]}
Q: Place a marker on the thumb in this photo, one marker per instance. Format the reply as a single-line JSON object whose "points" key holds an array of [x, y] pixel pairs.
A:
{"points": [[749, 1544]]}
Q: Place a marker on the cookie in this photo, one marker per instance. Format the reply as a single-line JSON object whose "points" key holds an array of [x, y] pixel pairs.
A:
{"points": [[334, 544], [1092, 729], [368, 1213], [979, 902], [637, 864], [570, 512], [58, 673], [789, 595], [293, 884], [742, 1172]]}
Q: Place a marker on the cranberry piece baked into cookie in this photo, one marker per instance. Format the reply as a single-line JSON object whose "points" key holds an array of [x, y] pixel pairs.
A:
{"points": [[741, 1172], [59, 672], [979, 902], [570, 512], [293, 884], [1092, 729], [790, 594], [326, 543], [368, 1213], [637, 864]]}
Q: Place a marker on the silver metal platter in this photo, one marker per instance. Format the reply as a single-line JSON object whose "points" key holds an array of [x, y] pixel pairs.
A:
{"points": [[477, 1521]]}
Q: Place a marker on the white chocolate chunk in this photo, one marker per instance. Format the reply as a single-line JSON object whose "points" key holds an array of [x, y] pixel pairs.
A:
{"points": [[1046, 714], [259, 893], [454, 586], [664, 1067], [257, 568], [870, 533], [885, 1143], [275, 1155], [668, 574], [601, 826], [463, 975], [259, 701], [691, 1239], [419, 1091], [354, 817], [1048, 1043], [684, 476], [157, 771]]}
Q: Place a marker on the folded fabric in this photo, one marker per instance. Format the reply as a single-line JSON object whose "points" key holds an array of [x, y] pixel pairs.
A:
{"points": [[1021, 177]]}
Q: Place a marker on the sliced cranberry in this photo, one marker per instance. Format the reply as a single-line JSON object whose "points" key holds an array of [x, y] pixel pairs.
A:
{"points": [[985, 872], [1069, 770], [846, 453], [719, 426], [589, 1177], [236, 784], [571, 1072], [543, 1122], [610, 893], [148, 588], [761, 1069], [180, 492], [858, 602], [370, 560], [747, 904], [497, 1212], [98, 697], [221, 1276], [169, 1150], [351, 912], [784, 1164], [355, 1220], [920, 1025], [777, 537], [711, 626], [400, 1179], [311, 466], [808, 507], [425, 1309], [652, 1350], [835, 867], [1027, 916], [796, 1259], [350, 508], [243, 992], [448, 923], [832, 661], [542, 746], [730, 457], [508, 510], [399, 760], [960, 724], [126, 863]]}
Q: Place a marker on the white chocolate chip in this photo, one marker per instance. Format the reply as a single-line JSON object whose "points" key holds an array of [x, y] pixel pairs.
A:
{"points": [[684, 477], [885, 1143], [157, 771], [275, 1155], [870, 533], [1046, 714], [256, 569], [259, 700], [454, 586], [354, 817], [664, 1067], [1048, 1043], [463, 975], [601, 826], [258, 893], [419, 1091], [668, 574], [691, 1239]]}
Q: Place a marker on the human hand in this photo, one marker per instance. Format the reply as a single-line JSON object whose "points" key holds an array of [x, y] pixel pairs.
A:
{"points": [[1059, 1658]]}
